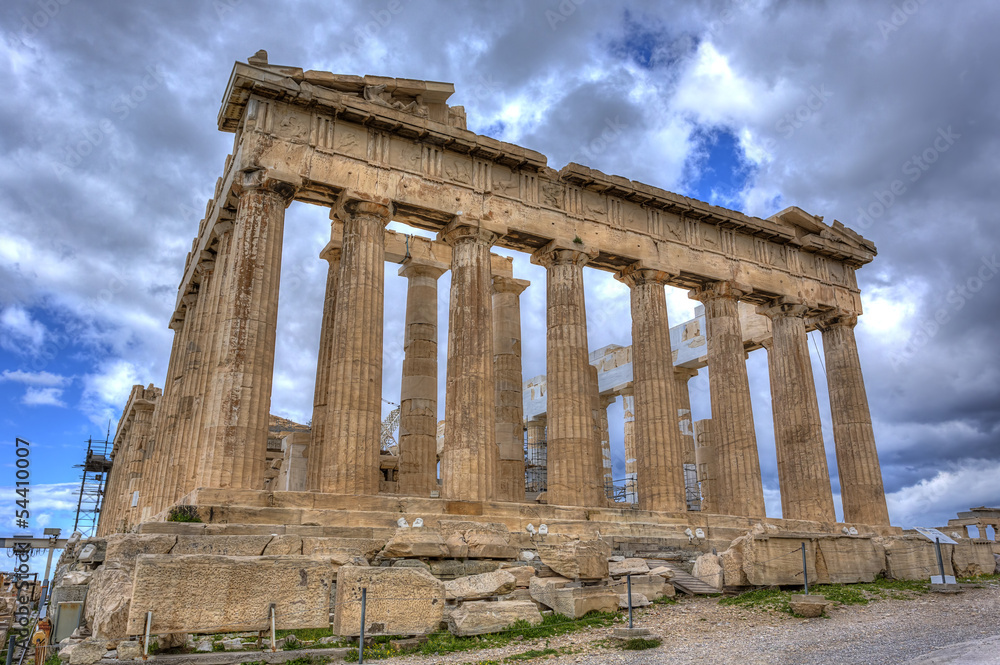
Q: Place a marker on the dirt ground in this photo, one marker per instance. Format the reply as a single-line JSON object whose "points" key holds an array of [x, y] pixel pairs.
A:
{"points": [[932, 627]]}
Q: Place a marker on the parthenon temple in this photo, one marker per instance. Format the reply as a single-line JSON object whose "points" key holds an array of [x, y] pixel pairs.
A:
{"points": [[211, 496]]}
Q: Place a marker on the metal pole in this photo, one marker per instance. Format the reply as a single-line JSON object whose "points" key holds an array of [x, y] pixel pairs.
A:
{"points": [[274, 647], [48, 563], [361, 640], [937, 547], [628, 582], [805, 571], [145, 643], [10, 649]]}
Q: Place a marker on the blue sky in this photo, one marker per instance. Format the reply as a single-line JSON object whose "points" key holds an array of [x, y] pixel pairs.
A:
{"points": [[108, 128]]}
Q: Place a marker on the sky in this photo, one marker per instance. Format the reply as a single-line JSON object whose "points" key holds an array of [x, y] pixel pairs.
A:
{"points": [[881, 115]]}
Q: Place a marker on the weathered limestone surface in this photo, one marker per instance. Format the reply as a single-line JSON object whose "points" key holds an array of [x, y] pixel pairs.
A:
{"points": [[708, 568], [627, 567], [233, 593], [659, 451], [415, 543], [108, 600], [351, 458], [739, 490], [418, 389], [341, 550], [575, 559], [798, 434], [854, 438], [704, 452], [915, 559], [476, 587], [849, 560], [324, 363], [809, 607], [222, 545], [650, 586], [470, 456], [480, 618], [508, 379], [573, 602], [575, 471], [400, 601], [240, 388]]}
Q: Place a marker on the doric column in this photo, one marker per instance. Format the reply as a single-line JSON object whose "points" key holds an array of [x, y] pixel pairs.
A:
{"points": [[659, 451], [575, 474], [350, 457], [803, 475], [240, 390], [705, 459], [628, 410], [536, 462], [605, 432], [681, 377], [603, 441], [857, 460], [470, 457], [418, 391], [507, 375], [320, 441], [740, 491]]}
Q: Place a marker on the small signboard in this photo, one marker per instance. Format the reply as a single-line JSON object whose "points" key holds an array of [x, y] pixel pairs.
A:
{"points": [[934, 534]]}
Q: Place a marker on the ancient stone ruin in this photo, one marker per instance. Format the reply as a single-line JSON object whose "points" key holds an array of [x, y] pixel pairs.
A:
{"points": [[216, 512]]}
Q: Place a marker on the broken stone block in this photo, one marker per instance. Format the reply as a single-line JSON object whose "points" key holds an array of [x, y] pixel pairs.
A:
{"points": [[662, 571], [341, 550], [203, 645], [399, 601], [123, 548], [651, 586], [480, 618], [573, 602], [627, 567], [284, 544], [233, 644], [77, 577], [108, 602], [415, 543], [130, 650], [810, 606], [522, 575], [457, 547], [88, 652], [448, 568], [489, 541], [575, 559], [221, 545], [638, 600], [475, 587], [708, 569]]}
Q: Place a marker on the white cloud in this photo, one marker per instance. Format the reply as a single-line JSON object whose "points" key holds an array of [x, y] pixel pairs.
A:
{"points": [[47, 379], [106, 390], [43, 397], [932, 501], [20, 332]]}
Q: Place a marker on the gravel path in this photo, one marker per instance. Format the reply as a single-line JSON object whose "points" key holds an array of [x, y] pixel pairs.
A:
{"points": [[884, 632]]}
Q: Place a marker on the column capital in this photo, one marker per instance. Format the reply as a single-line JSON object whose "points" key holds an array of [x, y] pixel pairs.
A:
{"points": [[503, 284], [331, 252], [834, 319], [637, 275], [464, 228], [784, 306], [561, 252], [728, 289], [366, 208], [685, 373], [412, 267], [282, 183]]}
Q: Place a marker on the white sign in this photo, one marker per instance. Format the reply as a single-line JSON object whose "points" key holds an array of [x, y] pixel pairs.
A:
{"points": [[934, 534]]}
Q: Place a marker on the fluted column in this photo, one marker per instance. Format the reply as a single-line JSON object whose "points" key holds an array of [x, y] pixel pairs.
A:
{"points": [[705, 459], [470, 457], [575, 473], [681, 377], [536, 472], [740, 491], [628, 410], [658, 445], [350, 456], [596, 404], [507, 375], [418, 391], [324, 364], [857, 459], [605, 432], [237, 424], [803, 475]]}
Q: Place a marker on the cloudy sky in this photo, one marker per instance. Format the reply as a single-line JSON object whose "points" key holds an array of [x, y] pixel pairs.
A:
{"points": [[882, 115]]}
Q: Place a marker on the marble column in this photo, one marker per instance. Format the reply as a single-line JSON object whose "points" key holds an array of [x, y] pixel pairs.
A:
{"points": [[575, 473], [857, 460], [507, 374], [141, 432], [596, 403], [350, 456], [605, 433], [803, 475], [659, 450], [681, 377], [237, 425], [740, 491], [536, 477], [418, 390], [470, 457], [320, 441], [628, 410]]}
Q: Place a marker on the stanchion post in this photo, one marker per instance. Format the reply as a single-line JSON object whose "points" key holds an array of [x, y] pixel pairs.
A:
{"points": [[10, 649], [274, 645], [628, 585], [361, 639], [805, 570], [145, 641]]}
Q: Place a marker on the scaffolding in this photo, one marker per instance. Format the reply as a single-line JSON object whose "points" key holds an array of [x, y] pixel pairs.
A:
{"points": [[94, 476]]}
